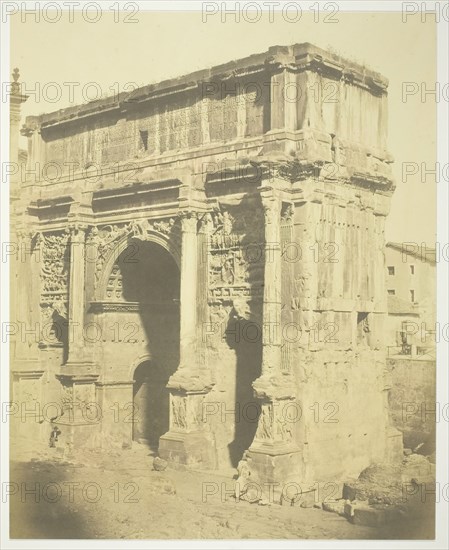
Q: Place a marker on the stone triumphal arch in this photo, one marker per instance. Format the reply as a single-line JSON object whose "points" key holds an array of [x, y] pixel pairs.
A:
{"points": [[213, 250]]}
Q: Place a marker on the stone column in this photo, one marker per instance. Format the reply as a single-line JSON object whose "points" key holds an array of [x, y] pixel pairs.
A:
{"points": [[271, 357], [81, 416], [26, 371], [188, 443], [188, 291], [274, 457], [76, 293], [79, 220], [19, 253], [25, 300]]}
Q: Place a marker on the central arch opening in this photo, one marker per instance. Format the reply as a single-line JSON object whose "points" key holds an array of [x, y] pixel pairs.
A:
{"points": [[150, 277]]}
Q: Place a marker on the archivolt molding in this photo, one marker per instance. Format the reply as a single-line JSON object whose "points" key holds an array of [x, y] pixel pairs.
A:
{"points": [[109, 241]]}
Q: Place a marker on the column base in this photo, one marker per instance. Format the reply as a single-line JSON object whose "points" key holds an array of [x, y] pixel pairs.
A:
{"points": [[188, 450], [27, 419], [76, 435], [80, 411], [273, 469]]}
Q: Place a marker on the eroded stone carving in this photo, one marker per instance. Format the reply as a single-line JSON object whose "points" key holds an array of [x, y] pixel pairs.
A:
{"points": [[179, 411], [106, 238], [266, 423], [274, 423], [236, 254], [55, 262], [55, 253]]}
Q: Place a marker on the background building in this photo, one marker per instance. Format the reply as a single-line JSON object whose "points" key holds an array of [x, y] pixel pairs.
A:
{"points": [[411, 289]]}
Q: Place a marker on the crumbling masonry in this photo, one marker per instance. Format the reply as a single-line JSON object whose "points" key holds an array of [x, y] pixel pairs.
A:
{"points": [[200, 266]]}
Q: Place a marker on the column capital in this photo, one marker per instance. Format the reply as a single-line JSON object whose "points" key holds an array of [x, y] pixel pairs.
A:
{"points": [[92, 234], [272, 211], [25, 233], [189, 220], [206, 223], [78, 231], [287, 212], [271, 204]]}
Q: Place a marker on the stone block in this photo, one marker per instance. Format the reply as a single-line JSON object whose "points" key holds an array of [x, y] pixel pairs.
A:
{"points": [[336, 506], [187, 450], [375, 516], [369, 516]]}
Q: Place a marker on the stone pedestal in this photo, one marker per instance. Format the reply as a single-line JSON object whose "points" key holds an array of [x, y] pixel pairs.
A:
{"points": [[274, 458], [115, 399], [27, 408], [81, 414], [187, 444]]}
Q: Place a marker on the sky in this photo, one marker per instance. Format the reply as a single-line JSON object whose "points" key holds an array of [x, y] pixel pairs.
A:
{"points": [[160, 45]]}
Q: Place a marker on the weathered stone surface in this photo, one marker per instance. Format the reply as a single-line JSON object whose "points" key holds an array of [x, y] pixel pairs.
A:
{"points": [[336, 506], [368, 515], [229, 256]]}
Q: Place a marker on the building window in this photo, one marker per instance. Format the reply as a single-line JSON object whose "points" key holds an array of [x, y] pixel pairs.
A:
{"points": [[412, 270], [390, 270], [391, 292], [412, 295], [144, 139]]}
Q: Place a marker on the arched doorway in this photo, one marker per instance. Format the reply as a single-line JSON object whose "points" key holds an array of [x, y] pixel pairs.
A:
{"points": [[149, 277]]}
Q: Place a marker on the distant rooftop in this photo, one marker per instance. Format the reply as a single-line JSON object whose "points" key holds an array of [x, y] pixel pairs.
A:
{"points": [[419, 251]]}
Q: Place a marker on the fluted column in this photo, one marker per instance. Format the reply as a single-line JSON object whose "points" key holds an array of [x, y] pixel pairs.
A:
{"points": [[188, 290], [274, 381], [271, 343], [188, 441], [191, 374], [26, 369], [76, 292], [25, 299], [274, 454]]}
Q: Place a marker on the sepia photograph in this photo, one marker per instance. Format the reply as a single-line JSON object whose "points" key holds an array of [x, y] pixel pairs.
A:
{"points": [[222, 226]]}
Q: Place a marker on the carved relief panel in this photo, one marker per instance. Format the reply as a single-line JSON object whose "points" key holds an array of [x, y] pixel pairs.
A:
{"points": [[276, 422], [186, 412], [55, 254], [236, 254]]}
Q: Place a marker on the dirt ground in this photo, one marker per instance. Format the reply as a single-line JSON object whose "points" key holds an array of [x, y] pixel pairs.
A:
{"points": [[119, 496]]}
